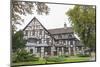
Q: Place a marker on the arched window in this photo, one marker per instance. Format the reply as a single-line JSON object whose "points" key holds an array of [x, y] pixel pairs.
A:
{"points": [[31, 50]]}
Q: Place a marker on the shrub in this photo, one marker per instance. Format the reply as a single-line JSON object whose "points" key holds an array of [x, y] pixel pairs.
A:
{"points": [[24, 56], [30, 58], [14, 55], [83, 55], [55, 59], [63, 56]]}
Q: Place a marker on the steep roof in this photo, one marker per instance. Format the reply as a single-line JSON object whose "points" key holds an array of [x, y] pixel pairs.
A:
{"points": [[40, 24], [61, 30], [29, 23]]}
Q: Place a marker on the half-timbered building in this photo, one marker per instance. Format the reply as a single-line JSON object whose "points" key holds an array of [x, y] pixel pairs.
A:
{"points": [[50, 42]]}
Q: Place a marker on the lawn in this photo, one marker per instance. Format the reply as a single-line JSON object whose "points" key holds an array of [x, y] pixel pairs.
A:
{"points": [[43, 61], [77, 59]]}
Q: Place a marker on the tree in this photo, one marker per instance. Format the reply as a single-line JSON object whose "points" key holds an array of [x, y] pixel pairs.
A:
{"points": [[83, 21], [17, 41], [23, 56], [19, 8]]}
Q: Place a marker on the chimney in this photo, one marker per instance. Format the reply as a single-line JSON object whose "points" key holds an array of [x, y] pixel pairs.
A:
{"points": [[65, 25]]}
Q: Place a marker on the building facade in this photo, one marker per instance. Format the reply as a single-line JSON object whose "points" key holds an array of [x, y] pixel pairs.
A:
{"points": [[50, 42]]}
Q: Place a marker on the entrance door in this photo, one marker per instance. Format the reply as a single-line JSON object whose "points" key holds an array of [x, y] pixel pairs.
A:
{"points": [[47, 51], [55, 52], [71, 51], [39, 51]]}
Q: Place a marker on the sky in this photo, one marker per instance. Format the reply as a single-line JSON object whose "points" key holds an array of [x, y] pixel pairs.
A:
{"points": [[55, 19]]}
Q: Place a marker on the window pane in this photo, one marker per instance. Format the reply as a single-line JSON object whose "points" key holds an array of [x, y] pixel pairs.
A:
{"points": [[38, 49], [31, 50], [71, 42]]}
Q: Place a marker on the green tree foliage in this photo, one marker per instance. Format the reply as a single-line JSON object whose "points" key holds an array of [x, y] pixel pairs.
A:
{"points": [[83, 22], [23, 8], [19, 8], [17, 41]]}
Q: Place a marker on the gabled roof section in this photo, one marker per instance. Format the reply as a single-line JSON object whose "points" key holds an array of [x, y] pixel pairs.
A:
{"points": [[28, 24], [40, 24]]}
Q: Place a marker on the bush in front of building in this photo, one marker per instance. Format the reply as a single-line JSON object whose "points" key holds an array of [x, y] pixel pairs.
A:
{"points": [[83, 54], [64, 56], [31, 58], [23, 56], [55, 59], [14, 55]]}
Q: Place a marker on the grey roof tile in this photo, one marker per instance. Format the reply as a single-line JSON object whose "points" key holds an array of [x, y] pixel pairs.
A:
{"points": [[61, 30]]}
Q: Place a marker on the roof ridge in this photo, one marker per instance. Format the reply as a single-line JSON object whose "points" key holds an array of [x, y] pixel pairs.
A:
{"points": [[58, 28]]}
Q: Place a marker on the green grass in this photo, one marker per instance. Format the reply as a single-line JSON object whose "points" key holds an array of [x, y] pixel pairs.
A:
{"points": [[77, 59], [43, 61]]}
